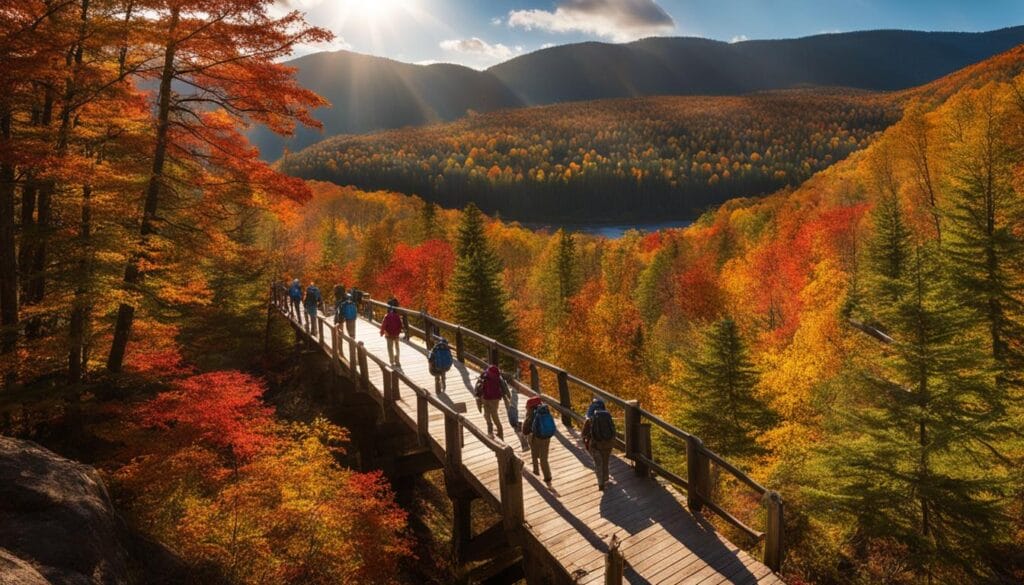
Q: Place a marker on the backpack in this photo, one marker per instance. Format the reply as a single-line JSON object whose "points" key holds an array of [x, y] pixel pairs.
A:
{"points": [[603, 426], [392, 324], [493, 389], [312, 296], [543, 422], [349, 311], [440, 359], [295, 292]]}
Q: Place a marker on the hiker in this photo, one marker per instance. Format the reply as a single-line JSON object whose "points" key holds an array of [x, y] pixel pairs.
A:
{"points": [[339, 297], [357, 297], [391, 328], [392, 305], [490, 390], [295, 294], [539, 426], [313, 300], [440, 361], [346, 311], [599, 438]]}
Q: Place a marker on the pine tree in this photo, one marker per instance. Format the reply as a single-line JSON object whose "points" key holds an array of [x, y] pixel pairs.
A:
{"points": [[719, 404], [985, 217], [478, 297], [915, 425], [567, 265]]}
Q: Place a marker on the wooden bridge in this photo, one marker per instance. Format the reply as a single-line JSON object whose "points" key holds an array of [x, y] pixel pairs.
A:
{"points": [[640, 529]]}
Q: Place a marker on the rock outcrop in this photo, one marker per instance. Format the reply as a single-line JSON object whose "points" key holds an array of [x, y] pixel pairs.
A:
{"points": [[57, 524]]}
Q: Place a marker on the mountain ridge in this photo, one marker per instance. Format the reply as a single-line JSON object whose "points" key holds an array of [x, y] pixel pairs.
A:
{"points": [[371, 93]]}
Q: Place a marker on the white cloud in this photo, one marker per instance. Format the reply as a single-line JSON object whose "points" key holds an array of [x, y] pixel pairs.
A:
{"points": [[547, 45], [738, 39], [480, 49], [619, 20], [496, 21]]}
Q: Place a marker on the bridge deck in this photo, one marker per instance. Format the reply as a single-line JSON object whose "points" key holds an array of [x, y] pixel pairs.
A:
{"points": [[661, 540]]}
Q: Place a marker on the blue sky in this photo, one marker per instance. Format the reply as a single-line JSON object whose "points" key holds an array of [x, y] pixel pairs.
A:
{"points": [[484, 32]]}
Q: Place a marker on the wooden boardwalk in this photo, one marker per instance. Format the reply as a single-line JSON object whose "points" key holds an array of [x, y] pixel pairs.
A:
{"points": [[661, 541]]}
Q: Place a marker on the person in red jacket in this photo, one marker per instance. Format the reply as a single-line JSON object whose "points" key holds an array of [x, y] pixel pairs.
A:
{"points": [[491, 390], [391, 329]]}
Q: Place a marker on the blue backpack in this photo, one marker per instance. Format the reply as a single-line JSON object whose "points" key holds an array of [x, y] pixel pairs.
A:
{"points": [[312, 296], [349, 311], [441, 358], [295, 292], [602, 426], [543, 422]]}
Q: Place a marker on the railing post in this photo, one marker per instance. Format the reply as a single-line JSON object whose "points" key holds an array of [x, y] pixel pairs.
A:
{"points": [[510, 477], [563, 396], [364, 372], [614, 564], [774, 537], [492, 353], [460, 345], [634, 437], [422, 418], [367, 307], [336, 346], [698, 474], [405, 326], [534, 378], [320, 329], [426, 328], [452, 444]]}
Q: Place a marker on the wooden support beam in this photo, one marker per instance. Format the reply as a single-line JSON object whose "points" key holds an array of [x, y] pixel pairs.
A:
{"points": [[614, 564], [462, 527], [774, 549], [698, 474], [534, 378], [564, 398], [488, 544]]}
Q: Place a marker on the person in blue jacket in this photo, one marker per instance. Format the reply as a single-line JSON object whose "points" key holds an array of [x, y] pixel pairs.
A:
{"points": [[313, 300], [295, 295]]}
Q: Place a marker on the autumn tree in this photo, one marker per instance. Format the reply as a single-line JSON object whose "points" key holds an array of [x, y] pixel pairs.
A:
{"points": [[716, 395], [217, 69], [478, 296]]}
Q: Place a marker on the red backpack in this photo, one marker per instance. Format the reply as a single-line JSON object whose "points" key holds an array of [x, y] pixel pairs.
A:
{"points": [[392, 324]]}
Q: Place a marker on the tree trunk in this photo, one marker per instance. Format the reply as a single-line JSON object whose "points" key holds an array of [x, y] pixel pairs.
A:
{"points": [[80, 306], [132, 273], [8, 257]]}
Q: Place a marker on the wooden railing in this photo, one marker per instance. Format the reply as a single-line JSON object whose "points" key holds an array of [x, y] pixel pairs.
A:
{"points": [[351, 354], [571, 398]]}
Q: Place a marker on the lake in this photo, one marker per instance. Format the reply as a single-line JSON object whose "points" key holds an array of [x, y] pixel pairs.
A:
{"points": [[608, 230]]}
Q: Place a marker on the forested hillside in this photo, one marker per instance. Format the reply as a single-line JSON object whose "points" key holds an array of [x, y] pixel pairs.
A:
{"points": [[639, 158], [371, 93], [867, 326]]}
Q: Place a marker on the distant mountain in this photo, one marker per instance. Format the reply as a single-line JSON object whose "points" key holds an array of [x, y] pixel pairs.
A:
{"points": [[373, 93], [873, 60]]}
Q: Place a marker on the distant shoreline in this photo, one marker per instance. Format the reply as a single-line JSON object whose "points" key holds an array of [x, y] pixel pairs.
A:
{"points": [[610, 230]]}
